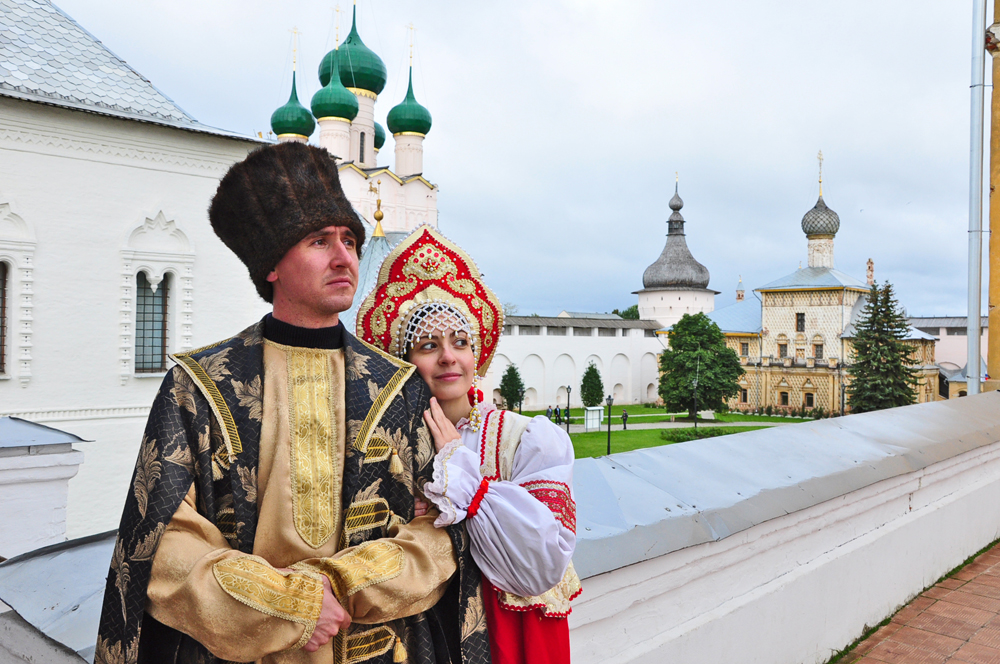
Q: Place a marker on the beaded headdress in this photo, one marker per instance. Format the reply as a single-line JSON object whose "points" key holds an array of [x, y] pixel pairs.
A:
{"points": [[426, 284]]}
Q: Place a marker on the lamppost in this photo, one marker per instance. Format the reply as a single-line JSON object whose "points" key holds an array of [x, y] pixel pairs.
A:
{"points": [[696, 372], [569, 389], [609, 401]]}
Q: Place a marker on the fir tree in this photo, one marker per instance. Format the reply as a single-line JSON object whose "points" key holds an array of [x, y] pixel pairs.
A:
{"points": [[882, 375], [511, 387], [698, 350], [631, 313], [591, 387]]}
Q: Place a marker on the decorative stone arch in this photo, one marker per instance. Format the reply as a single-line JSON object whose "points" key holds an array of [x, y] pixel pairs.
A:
{"points": [[621, 374], [651, 394], [17, 250], [533, 374], [157, 247]]}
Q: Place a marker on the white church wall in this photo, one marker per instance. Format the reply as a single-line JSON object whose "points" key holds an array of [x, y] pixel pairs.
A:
{"points": [[549, 363], [106, 198]]}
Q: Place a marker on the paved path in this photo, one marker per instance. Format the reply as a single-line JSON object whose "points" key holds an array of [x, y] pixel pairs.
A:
{"points": [[957, 620], [578, 428]]}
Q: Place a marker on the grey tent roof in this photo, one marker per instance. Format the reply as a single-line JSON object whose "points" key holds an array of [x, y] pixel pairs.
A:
{"points": [[15, 432], [47, 57], [59, 589], [372, 255], [676, 267], [815, 277], [739, 317]]}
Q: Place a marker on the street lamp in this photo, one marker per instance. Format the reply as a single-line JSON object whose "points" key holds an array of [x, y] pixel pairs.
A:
{"points": [[568, 390], [609, 401], [696, 372]]}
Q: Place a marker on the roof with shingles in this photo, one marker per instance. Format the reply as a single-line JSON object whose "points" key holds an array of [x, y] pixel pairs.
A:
{"points": [[815, 277]]}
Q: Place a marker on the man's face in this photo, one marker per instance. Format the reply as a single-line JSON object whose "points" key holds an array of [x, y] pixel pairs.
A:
{"points": [[317, 278]]}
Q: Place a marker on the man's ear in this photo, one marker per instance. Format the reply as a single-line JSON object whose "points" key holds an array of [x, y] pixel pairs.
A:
{"points": [[272, 276]]}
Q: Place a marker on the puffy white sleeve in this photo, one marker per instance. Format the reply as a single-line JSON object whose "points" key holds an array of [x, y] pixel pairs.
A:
{"points": [[524, 531]]}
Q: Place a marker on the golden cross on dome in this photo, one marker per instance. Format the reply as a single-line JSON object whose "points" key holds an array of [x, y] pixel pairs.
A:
{"points": [[336, 13], [820, 157], [412, 30], [295, 47]]}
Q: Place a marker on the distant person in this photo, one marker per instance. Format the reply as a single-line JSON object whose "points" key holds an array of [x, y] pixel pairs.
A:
{"points": [[548, 412], [558, 415], [624, 420]]}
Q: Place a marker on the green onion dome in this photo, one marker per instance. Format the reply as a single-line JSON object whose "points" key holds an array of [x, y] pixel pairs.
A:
{"points": [[359, 66], [409, 116], [293, 117], [379, 136], [333, 100]]}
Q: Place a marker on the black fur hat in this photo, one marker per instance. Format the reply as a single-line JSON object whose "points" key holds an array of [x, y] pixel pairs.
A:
{"points": [[275, 197]]}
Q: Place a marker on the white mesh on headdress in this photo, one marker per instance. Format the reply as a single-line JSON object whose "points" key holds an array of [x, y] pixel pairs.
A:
{"points": [[434, 317]]}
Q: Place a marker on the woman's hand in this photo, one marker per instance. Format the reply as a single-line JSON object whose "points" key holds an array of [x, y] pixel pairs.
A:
{"points": [[419, 507], [442, 429]]}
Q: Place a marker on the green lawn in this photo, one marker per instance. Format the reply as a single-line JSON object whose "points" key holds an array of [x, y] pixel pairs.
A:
{"points": [[740, 417], [595, 443]]}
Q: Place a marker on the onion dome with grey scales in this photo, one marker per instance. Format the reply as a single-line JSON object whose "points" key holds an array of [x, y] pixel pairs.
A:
{"points": [[676, 268], [820, 220]]}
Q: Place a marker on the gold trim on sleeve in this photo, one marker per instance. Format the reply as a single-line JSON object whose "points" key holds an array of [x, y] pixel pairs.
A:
{"points": [[369, 564], [554, 603], [229, 432], [315, 466], [297, 597]]}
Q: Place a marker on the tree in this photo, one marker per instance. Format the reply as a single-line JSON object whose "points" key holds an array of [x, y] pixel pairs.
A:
{"points": [[632, 313], [882, 375], [591, 386], [509, 309], [511, 387], [697, 351]]}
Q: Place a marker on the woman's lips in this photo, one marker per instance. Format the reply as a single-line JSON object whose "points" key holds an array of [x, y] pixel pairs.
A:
{"points": [[448, 377]]}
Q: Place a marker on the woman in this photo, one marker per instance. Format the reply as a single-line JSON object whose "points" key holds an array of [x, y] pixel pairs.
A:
{"points": [[508, 477]]}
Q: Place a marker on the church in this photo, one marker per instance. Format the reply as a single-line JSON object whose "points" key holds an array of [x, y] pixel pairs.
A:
{"points": [[795, 336]]}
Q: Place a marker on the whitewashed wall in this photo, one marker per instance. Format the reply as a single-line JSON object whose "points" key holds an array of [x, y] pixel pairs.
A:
{"points": [[83, 186]]}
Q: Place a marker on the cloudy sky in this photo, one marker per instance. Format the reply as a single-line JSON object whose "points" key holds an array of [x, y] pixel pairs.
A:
{"points": [[559, 125]]}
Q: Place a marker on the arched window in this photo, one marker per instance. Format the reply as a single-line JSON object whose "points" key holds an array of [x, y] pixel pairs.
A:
{"points": [[361, 148], [3, 317], [151, 324]]}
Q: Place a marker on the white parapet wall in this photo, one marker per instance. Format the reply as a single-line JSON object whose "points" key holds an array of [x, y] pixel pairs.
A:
{"points": [[782, 545]]}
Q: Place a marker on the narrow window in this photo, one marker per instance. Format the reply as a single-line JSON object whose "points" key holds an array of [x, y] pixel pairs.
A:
{"points": [[361, 149], [743, 395], [800, 322], [784, 398], [818, 351], [809, 399], [782, 350], [650, 333], [744, 348], [3, 317], [150, 325]]}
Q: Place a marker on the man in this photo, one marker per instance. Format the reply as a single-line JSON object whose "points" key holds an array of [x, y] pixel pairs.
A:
{"points": [[548, 412], [271, 516], [558, 415], [624, 419]]}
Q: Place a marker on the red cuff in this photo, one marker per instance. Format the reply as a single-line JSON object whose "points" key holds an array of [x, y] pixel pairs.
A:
{"points": [[478, 498]]}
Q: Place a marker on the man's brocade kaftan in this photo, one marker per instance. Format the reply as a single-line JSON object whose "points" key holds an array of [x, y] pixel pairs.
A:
{"points": [[241, 471]]}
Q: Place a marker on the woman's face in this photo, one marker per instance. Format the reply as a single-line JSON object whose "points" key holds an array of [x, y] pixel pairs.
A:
{"points": [[445, 361]]}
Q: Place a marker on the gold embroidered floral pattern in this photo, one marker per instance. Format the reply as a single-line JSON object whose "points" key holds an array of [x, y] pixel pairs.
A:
{"points": [[370, 564], [315, 465], [297, 597], [368, 644], [202, 377], [365, 515]]}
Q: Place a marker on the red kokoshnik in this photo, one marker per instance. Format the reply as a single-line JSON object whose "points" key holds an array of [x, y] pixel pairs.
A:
{"points": [[427, 268]]}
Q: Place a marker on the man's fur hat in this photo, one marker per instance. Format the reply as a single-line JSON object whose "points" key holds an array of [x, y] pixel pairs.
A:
{"points": [[275, 197]]}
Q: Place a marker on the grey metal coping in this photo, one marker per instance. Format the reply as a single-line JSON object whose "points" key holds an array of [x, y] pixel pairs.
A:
{"points": [[944, 321], [59, 589], [15, 432], [815, 277], [639, 505], [742, 317], [47, 57], [584, 314], [554, 321]]}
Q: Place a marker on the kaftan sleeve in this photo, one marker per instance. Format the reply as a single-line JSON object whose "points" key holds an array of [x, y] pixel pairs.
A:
{"points": [[236, 605], [392, 577], [524, 531]]}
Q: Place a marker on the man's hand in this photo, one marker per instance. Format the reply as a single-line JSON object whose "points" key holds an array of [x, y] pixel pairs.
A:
{"points": [[442, 430], [332, 619]]}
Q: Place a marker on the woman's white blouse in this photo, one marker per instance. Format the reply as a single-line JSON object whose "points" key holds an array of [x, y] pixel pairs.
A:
{"points": [[522, 544]]}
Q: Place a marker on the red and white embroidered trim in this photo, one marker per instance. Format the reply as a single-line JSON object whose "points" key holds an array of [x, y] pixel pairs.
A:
{"points": [[484, 486], [557, 497]]}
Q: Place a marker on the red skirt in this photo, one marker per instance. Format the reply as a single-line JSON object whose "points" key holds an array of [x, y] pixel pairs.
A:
{"points": [[523, 637]]}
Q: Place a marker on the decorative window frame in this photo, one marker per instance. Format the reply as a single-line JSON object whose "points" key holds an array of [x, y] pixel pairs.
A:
{"points": [[17, 249], [156, 246]]}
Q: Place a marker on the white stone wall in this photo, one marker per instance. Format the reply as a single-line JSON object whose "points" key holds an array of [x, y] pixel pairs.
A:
{"points": [[668, 306], [405, 203], [628, 365], [99, 199]]}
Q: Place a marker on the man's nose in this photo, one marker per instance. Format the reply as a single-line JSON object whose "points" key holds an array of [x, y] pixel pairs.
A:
{"points": [[341, 255]]}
